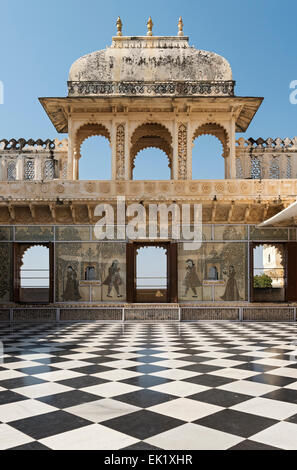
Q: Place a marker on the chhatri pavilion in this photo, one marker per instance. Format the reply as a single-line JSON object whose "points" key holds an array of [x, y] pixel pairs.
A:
{"points": [[142, 92]]}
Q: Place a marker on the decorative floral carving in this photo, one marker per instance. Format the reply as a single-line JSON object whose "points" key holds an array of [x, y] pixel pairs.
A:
{"points": [[182, 151], [120, 151], [198, 88]]}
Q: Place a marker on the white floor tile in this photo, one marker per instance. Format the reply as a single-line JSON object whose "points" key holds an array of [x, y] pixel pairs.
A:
{"points": [[42, 390], [10, 437], [179, 388], [282, 435], [185, 409], [23, 409], [102, 410], [110, 389], [93, 437], [248, 388], [193, 437], [267, 408]]}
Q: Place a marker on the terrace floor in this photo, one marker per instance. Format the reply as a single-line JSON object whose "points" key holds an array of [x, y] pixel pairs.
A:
{"points": [[170, 386]]}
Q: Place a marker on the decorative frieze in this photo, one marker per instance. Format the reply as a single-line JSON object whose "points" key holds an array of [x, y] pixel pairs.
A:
{"points": [[176, 88]]}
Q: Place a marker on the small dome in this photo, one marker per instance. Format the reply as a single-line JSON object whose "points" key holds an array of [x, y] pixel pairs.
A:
{"points": [[151, 65]]}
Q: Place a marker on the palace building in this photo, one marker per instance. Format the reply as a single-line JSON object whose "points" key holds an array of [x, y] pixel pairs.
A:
{"points": [[142, 92]]}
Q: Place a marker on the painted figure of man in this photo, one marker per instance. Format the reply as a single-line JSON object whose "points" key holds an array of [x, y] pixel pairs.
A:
{"points": [[231, 292], [113, 279], [191, 280]]}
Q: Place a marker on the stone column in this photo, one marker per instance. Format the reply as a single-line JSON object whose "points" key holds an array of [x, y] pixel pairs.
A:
{"points": [[119, 151], [20, 167], [39, 163], [182, 155], [72, 170], [174, 170], [232, 151]]}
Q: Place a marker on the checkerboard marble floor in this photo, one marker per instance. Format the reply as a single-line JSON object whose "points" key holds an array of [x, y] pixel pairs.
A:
{"points": [[148, 386]]}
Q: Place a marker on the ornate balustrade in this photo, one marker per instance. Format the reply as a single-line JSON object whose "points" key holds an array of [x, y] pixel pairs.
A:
{"points": [[266, 159], [31, 160]]}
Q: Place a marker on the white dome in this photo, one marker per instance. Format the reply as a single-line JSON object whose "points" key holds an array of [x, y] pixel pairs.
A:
{"points": [[151, 65]]}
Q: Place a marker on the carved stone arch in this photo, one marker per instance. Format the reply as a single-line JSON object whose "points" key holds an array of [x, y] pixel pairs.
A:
{"points": [[164, 149], [86, 130], [151, 135], [217, 130], [134, 125], [28, 246]]}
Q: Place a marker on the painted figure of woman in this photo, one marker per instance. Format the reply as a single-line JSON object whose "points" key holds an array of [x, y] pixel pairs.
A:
{"points": [[113, 279], [231, 291], [71, 291], [191, 280]]}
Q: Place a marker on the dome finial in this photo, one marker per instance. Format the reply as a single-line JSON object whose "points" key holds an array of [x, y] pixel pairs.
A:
{"points": [[180, 27], [150, 25], [119, 26]]}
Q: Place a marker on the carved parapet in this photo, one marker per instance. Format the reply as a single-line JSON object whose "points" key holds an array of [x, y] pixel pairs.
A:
{"points": [[268, 144], [270, 158], [33, 159]]}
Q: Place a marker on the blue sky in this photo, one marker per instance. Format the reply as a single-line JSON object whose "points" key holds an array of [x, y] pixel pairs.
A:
{"points": [[40, 41]]}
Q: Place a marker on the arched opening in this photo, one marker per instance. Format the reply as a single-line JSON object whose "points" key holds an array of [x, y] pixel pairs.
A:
{"points": [[92, 153], [35, 274], [151, 274], [151, 164], [149, 143], [209, 153], [95, 161]]}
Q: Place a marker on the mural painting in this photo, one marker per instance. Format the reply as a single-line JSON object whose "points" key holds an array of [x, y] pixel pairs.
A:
{"points": [[209, 274], [90, 272]]}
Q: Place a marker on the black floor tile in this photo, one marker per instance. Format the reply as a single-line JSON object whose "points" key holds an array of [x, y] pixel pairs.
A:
{"points": [[209, 380], [49, 424], [283, 394], [35, 370], [271, 379], [145, 398], [252, 445], [147, 368], [141, 446], [146, 381], [143, 424], [19, 382], [94, 369], [34, 445], [201, 368], [82, 382], [218, 397], [251, 366], [70, 398], [7, 396], [236, 422]]}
